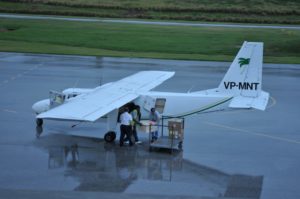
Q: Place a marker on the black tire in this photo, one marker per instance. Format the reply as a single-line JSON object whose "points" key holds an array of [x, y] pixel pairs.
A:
{"points": [[39, 122], [110, 136]]}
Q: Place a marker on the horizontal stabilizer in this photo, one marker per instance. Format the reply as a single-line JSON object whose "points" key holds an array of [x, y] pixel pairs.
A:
{"points": [[259, 102]]}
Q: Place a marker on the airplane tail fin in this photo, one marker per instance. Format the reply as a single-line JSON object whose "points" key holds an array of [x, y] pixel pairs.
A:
{"points": [[243, 79]]}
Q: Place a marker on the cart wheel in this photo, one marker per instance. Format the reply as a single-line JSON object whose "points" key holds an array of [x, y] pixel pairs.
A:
{"points": [[110, 136]]}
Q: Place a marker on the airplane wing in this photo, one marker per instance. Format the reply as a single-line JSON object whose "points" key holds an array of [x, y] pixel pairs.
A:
{"points": [[93, 105]]}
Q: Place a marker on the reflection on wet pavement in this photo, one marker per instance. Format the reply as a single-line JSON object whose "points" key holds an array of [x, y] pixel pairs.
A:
{"points": [[99, 166]]}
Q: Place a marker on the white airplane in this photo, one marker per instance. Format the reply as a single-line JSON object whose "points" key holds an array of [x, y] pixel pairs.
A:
{"points": [[240, 88]]}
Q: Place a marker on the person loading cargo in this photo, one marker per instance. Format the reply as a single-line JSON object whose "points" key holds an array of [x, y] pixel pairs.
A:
{"points": [[154, 117], [125, 127], [136, 117]]}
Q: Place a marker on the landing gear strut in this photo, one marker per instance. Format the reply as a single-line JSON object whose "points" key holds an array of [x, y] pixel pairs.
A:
{"points": [[110, 136], [39, 122], [39, 127]]}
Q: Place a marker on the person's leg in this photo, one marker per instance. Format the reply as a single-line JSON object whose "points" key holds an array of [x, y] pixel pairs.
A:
{"points": [[123, 131], [135, 134], [155, 135], [126, 139], [152, 136], [136, 138], [129, 134]]}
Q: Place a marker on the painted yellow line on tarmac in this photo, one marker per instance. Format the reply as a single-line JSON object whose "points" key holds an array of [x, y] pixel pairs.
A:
{"points": [[253, 133], [9, 111], [273, 102]]}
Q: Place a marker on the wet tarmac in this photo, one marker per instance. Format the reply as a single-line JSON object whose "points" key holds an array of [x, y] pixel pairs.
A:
{"points": [[236, 154]]}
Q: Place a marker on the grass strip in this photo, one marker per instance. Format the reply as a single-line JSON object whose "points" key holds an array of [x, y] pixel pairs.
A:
{"points": [[149, 41], [252, 11]]}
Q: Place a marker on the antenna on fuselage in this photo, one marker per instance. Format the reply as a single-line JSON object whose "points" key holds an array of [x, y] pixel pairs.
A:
{"points": [[76, 83], [191, 89], [101, 79]]}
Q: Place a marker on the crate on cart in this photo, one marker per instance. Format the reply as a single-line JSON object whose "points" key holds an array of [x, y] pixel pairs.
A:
{"points": [[175, 128], [173, 140]]}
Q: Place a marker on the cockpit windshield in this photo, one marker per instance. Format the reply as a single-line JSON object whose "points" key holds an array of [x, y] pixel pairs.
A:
{"points": [[56, 98]]}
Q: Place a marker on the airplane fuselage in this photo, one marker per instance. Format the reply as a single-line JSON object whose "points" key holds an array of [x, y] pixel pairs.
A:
{"points": [[184, 104], [175, 104]]}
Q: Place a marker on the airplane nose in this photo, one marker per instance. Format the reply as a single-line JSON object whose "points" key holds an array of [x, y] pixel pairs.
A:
{"points": [[36, 107], [41, 106]]}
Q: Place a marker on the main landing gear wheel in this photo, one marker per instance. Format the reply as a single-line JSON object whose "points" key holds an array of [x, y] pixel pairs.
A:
{"points": [[39, 122], [110, 136]]}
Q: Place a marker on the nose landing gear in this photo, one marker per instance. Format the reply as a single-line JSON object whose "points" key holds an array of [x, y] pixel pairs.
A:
{"points": [[39, 127], [39, 122]]}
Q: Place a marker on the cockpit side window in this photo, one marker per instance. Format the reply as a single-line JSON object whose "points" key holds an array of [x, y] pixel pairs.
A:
{"points": [[71, 95]]}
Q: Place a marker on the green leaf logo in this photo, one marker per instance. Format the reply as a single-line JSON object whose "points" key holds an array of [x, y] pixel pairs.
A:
{"points": [[244, 61]]}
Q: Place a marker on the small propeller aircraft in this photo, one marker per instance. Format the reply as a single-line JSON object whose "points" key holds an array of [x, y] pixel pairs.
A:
{"points": [[241, 87]]}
